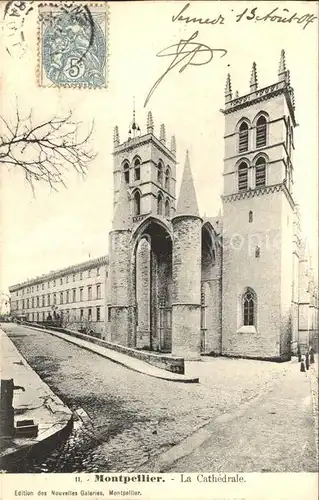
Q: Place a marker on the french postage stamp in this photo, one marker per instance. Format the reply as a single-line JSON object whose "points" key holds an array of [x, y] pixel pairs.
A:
{"points": [[73, 44]]}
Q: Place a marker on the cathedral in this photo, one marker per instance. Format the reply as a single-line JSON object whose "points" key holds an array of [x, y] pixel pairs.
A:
{"points": [[236, 284]]}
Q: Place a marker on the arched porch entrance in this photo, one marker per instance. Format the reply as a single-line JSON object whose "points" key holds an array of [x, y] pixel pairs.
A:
{"points": [[152, 286]]}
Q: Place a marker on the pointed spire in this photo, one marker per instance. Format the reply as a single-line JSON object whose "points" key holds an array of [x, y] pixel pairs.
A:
{"points": [[253, 78], [122, 211], [187, 201], [163, 133], [116, 136], [150, 123], [282, 66], [236, 94], [228, 92], [173, 144], [134, 130]]}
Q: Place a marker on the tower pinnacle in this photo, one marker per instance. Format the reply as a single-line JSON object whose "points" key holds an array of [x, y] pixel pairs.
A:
{"points": [[282, 66], [228, 92], [253, 78], [163, 133], [150, 123], [116, 136], [187, 201]]}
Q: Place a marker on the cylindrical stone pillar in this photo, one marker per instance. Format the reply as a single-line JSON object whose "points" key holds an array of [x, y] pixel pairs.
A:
{"points": [[122, 328], [186, 271]]}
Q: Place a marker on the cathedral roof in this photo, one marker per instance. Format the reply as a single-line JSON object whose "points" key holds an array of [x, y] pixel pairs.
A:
{"points": [[216, 222], [187, 201], [122, 208]]}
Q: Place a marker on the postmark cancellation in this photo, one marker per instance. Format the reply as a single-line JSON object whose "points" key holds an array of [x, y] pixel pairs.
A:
{"points": [[73, 44]]}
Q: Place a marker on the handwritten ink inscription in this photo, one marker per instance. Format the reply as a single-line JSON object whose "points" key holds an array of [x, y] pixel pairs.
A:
{"points": [[189, 53], [277, 15]]}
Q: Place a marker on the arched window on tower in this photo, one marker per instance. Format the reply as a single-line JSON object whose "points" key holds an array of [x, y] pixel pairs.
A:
{"points": [[159, 204], [167, 209], [249, 307], [160, 172], [261, 132], [243, 176], [126, 169], [260, 172], [137, 169], [167, 176], [243, 137], [137, 203]]}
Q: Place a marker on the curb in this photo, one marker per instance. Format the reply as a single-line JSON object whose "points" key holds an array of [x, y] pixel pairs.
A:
{"points": [[102, 351], [47, 439]]}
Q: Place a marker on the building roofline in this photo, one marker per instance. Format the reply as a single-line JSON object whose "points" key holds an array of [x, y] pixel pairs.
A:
{"points": [[99, 261]]}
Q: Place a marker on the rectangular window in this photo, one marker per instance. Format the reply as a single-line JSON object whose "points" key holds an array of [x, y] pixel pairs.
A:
{"points": [[98, 291], [74, 295], [89, 293], [54, 283], [43, 301], [89, 273], [61, 281], [61, 297], [48, 284], [98, 314], [32, 301], [67, 296], [49, 300], [54, 299], [81, 276], [37, 287], [81, 313], [27, 303], [90, 313], [81, 293], [109, 314], [98, 271], [38, 301], [73, 277], [42, 286]]}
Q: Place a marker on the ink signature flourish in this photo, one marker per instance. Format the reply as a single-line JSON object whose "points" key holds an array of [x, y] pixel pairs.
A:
{"points": [[188, 52]]}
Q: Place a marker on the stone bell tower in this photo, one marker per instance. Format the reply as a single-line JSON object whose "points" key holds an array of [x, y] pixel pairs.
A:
{"points": [[144, 177], [258, 219]]}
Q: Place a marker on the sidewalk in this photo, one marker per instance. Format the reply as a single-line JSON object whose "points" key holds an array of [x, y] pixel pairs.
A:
{"points": [[37, 402], [274, 432], [123, 359]]}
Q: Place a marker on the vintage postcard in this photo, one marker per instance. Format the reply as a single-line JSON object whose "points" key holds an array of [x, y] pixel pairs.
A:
{"points": [[159, 250]]}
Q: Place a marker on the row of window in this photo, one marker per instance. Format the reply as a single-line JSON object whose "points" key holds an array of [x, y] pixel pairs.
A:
{"points": [[71, 314], [66, 279], [65, 298], [260, 174], [261, 134], [163, 208], [163, 175]]}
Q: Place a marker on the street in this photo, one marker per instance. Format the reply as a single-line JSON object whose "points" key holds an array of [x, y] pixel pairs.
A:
{"points": [[125, 421]]}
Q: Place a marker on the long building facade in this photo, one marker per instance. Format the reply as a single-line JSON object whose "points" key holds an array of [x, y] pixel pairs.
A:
{"points": [[238, 284], [73, 297]]}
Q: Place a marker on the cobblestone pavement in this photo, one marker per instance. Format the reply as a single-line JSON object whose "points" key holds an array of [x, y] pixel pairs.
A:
{"points": [[123, 418]]}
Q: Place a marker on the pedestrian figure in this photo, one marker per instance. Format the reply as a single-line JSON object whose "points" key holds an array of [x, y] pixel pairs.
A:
{"points": [[311, 355], [302, 365], [307, 361]]}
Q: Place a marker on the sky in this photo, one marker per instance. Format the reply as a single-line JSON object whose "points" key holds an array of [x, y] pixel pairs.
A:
{"points": [[52, 230]]}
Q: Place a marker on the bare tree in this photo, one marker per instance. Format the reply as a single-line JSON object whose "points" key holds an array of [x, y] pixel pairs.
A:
{"points": [[45, 151]]}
